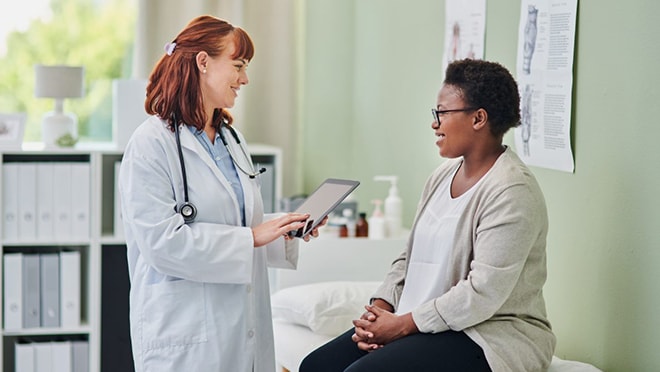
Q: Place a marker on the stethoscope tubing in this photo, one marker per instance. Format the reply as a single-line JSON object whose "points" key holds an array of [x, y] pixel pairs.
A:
{"points": [[187, 209]]}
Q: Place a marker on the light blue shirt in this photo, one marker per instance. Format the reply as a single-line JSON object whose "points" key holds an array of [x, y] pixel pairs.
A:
{"points": [[222, 159]]}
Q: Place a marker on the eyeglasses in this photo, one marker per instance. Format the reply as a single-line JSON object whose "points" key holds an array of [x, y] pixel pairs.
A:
{"points": [[438, 113]]}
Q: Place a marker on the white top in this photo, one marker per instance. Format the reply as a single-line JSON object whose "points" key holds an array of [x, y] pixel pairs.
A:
{"points": [[432, 245]]}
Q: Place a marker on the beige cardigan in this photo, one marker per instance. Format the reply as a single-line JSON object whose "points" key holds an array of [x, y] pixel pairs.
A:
{"points": [[497, 269]]}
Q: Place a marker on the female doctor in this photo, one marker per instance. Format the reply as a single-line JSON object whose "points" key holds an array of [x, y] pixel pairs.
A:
{"points": [[198, 241]]}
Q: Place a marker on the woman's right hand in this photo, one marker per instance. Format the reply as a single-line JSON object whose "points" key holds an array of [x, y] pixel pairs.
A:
{"points": [[361, 336], [277, 227]]}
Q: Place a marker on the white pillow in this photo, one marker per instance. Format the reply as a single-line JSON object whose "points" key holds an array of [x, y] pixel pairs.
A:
{"points": [[326, 308]]}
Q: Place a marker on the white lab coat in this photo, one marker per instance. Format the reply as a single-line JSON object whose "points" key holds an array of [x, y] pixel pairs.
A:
{"points": [[199, 298]]}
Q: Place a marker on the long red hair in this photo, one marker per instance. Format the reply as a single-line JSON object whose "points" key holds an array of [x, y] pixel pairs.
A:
{"points": [[174, 87]]}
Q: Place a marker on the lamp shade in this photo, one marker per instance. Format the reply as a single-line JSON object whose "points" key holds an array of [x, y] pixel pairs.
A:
{"points": [[59, 81]]}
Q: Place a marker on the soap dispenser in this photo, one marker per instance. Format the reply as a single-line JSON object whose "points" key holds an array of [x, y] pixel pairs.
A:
{"points": [[377, 222], [393, 207]]}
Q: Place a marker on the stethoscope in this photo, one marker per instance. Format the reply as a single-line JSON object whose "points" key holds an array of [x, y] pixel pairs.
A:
{"points": [[187, 209]]}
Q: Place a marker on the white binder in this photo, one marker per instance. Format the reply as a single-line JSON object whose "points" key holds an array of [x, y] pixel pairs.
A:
{"points": [[27, 205], [10, 201], [24, 358], [61, 356], [62, 200], [45, 224], [70, 289], [31, 296], [118, 224], [50, 289], [13, 280], [43, 356], [80, 200]]}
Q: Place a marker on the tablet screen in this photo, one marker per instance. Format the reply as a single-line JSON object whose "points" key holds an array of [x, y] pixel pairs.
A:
{"points": [[322, 201]]}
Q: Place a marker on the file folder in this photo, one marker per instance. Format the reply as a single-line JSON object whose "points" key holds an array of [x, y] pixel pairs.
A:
{"points": [[70, 289], [43, 357], [45, 224], [62, 200], [118, 223], [80, 200], [50, 289], [27, 197], [61, 356], [10, 201], [80, 356], [13, 280], [31, 289], [24, 358]]}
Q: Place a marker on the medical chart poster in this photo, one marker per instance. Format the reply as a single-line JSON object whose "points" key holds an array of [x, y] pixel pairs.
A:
{"points": [[465, 30], [544, 67]]}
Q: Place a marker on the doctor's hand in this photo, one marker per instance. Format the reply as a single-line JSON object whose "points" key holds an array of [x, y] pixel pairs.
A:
{"points": [[275, 228], [315, 231]]}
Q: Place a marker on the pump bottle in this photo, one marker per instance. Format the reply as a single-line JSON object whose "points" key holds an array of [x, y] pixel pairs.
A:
{"points": [[393, 207], [377, 222]]}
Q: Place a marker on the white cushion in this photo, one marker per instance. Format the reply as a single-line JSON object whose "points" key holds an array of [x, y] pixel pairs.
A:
{"points": [[560, 365], [326, 308]]}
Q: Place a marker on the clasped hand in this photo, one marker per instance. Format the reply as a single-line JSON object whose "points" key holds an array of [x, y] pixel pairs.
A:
{"points": [[377, 327]]}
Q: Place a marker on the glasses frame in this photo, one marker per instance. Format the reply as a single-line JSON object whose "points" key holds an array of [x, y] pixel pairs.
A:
{"points": [[438, 113]]}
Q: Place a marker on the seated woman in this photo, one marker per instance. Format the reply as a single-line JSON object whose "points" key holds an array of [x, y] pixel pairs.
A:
{"points": [[467, 293]]}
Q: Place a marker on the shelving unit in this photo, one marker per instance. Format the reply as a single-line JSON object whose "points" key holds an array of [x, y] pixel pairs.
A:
{"points": [[59, 237], [100, 249]]}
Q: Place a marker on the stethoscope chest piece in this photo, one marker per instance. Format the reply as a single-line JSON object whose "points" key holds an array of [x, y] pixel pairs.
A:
{"points": [[188, 212]]}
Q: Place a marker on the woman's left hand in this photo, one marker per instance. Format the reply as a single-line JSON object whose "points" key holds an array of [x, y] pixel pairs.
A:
{"points": [[386, 327]]}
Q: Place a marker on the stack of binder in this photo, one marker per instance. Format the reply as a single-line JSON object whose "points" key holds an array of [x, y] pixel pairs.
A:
{"points": [[41, 290], [64, 356], [46, 201]]}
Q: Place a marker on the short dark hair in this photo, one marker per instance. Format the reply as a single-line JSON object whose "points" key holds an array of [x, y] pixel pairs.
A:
{"points": [[490, 86]]}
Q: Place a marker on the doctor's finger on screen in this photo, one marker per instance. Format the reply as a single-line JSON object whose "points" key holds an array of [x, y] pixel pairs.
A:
{"points": [[276, 227]]}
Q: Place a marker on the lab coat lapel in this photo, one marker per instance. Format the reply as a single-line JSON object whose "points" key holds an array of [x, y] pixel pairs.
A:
{"points": [[189, 142], [250, 189]]}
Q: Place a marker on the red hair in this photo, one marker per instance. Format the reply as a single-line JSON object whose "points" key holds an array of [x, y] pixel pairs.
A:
{"points": [[174, 87]]}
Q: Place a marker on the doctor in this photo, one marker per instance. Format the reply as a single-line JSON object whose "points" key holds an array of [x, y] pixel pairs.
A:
{"points": [[198, 241]]}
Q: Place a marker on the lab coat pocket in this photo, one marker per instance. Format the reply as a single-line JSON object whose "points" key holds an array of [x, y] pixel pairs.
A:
{"points": [[173, 315]]}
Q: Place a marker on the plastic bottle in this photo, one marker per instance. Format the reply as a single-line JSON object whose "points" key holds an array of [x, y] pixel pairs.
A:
{"points": [[393, 207], [350, 222], [377, 222], [362, 226]]}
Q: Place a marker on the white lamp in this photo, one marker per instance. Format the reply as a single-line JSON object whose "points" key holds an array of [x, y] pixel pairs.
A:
{"points": [[59, 82]]}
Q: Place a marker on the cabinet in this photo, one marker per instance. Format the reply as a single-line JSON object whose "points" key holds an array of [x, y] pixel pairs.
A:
{"points": [[62, 203]]}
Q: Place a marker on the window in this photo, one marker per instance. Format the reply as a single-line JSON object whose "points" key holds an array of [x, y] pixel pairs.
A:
{"points": [[96, 34]]}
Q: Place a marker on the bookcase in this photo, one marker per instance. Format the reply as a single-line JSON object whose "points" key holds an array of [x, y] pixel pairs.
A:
{"points": [[61, 238]]}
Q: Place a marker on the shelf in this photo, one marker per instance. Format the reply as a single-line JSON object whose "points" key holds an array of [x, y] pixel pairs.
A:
{"points": [[49, 331]]}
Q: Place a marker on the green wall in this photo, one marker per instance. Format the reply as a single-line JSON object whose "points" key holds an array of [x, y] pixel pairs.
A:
{"points": [[372, 69]]}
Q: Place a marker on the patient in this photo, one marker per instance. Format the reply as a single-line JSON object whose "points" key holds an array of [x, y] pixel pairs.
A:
{"points": [[467, 293]]}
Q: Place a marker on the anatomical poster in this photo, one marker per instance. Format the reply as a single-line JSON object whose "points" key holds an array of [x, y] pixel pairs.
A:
{"points": [[544, 71], [465, 30]]}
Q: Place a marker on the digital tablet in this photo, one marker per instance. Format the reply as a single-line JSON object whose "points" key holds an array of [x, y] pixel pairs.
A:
{"points": [[321, 202]]}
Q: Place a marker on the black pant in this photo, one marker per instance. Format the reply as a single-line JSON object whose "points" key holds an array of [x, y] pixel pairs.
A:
{"points": [[446, 351]]}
